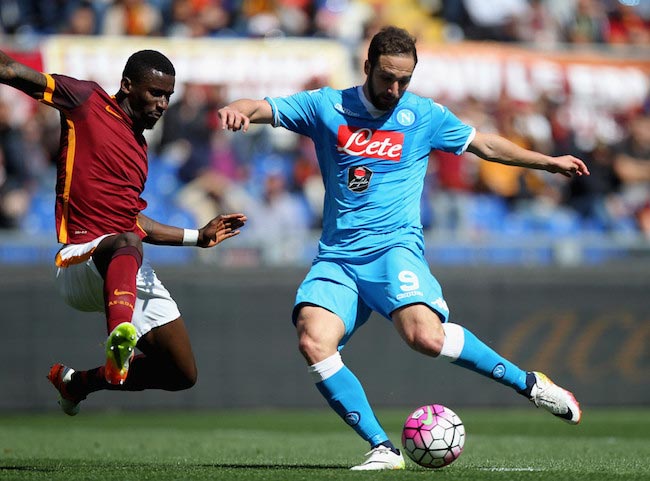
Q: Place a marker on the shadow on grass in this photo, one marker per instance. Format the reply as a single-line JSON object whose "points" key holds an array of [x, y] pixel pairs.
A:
{"points": [[215, 465], [273, 466], [26, 468]]}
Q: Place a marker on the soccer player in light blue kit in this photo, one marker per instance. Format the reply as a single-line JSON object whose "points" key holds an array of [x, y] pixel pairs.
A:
{"points": [[373, 144]]}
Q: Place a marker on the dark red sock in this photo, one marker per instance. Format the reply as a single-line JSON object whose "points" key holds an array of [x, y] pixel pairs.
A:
{"points": [[145, 372], [86, 382], [92, 380], [119, 286]]}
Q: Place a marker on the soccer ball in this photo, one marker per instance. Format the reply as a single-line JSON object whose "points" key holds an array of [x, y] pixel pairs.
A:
{"points": [[433, 436]]}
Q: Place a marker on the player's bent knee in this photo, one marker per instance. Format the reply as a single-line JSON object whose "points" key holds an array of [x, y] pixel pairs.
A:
{"points": [[306, 346], [312, 350], [185, 380], [429, 345], [127, 239], [191, 376]]}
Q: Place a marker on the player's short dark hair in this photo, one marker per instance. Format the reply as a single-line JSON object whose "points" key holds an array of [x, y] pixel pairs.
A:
{"points": [[391, 41], [141, 63]]}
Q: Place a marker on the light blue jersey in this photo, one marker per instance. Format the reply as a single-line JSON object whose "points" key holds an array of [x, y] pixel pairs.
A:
{"points": [[373, 167]]}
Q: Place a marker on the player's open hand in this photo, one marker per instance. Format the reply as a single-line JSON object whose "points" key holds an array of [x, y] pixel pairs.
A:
{"points": [[220, 228], [232, 119], [568, 165]]}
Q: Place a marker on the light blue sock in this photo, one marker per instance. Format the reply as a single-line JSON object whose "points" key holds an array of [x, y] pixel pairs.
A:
{"points": [[464, 349], [344, 393]]}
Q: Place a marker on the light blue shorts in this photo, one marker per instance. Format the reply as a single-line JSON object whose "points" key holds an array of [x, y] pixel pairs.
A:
{"points": [[382, 283]]}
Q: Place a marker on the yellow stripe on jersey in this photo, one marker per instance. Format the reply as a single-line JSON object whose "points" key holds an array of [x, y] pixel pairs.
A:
{"points": [[137, 223], [69, 165], [49, 89]]}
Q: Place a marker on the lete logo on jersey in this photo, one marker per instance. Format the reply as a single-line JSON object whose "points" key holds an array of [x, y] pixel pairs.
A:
{"points": [[374, 144]]}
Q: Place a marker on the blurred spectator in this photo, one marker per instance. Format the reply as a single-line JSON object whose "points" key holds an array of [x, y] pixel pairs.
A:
{"points": [[597, 199], [449, 184], [185, 137], [14, 174], [348, 20], [511, 183], [589, 23], [296, 17], [37, 159], [539, 25], [278, 222], [626, 26], [257, 18], [210, 175], [531, 120], [197, 18], [49, 131], [308, 181], [82, 21], [131, 17], [452, 179], [10, 16], [632, 165], [495, 20], [38, 16]]}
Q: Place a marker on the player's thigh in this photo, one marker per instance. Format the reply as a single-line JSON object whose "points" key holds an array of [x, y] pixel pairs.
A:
{"points": [[319, 332], [158, 322], [420, 327], [154, 306], [77, 279], [399, 278], [329, 287], [170, 343]]}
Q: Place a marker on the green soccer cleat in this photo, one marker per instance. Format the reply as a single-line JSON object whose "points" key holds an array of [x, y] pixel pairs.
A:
{"points": [[120, 349]]}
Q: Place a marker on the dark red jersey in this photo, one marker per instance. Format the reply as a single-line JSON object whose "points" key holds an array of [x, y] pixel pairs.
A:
{"points": [[101, 165]]}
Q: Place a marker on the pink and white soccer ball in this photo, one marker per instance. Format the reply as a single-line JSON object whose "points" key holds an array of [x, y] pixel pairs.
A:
{"points": [[433, 436]]}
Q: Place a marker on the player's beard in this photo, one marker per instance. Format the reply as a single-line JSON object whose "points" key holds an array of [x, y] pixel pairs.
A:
{"points": [[382, 103]]}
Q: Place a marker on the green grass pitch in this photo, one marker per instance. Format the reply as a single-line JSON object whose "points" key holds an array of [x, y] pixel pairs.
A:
{"points": [[286, 445]]}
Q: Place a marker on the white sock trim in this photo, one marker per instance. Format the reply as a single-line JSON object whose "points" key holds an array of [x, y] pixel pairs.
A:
{"points": [[454, 341], [326, 368]]}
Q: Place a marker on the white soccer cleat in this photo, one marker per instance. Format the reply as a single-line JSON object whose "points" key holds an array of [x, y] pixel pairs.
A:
{"points": [[379, 458], [559, 402]]}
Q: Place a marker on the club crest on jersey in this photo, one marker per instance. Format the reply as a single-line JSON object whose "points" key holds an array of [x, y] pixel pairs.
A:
{"points": [[369, 143], [405, 117], [359, 178]]}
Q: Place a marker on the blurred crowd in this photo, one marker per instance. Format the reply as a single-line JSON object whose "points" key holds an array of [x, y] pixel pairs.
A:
{"points": [[573, 21], [204, 170]]}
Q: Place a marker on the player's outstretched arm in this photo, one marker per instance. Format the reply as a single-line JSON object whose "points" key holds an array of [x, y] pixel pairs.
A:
{"points": [[495, 148], [214, 232], [241, 113], [221, 228], [21, 77]]}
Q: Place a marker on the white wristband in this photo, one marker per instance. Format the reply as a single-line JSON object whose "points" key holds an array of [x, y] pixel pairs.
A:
{"points": [[190, 237]]}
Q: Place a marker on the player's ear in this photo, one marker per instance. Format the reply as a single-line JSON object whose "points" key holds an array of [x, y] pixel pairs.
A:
{"points": [[366, 67], [125, 85]]}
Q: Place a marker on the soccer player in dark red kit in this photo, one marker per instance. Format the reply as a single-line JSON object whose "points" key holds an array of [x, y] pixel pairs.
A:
{"points": [[101, 172]]}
